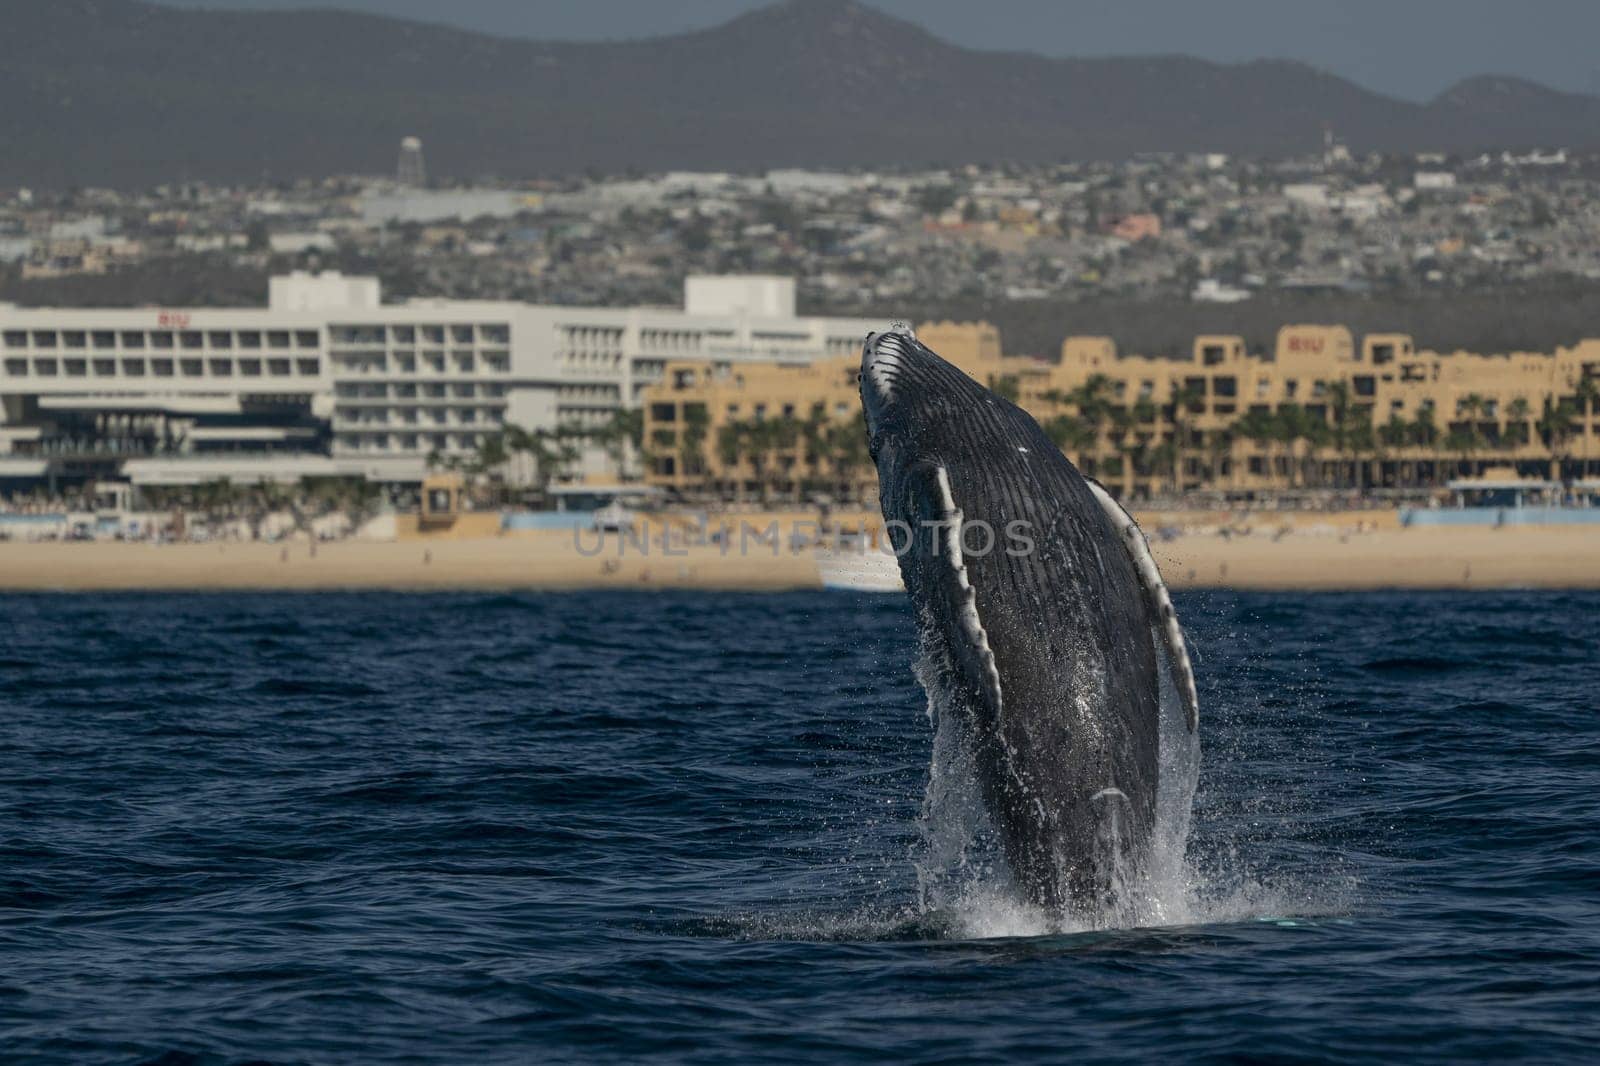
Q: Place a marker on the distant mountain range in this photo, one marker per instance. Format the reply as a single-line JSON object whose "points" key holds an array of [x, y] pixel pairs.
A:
{"points": [[124, 92]]}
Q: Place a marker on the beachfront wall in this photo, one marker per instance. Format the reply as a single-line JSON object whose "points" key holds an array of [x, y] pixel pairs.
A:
{"points": [[1319, 411], [1501, 516]]}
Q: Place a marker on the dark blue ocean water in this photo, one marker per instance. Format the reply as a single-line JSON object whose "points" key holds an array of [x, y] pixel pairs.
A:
{"points": [[519, 828]]}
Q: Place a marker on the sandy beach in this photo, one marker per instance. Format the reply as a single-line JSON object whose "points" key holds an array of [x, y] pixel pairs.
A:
{"points": [[1325, 555]]}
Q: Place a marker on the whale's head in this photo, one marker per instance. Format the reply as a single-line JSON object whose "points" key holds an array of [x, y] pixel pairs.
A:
{"points": [[912, 400]]}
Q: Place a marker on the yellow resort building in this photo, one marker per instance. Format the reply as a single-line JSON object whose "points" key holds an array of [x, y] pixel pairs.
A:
{"points": [[1319, 413]]}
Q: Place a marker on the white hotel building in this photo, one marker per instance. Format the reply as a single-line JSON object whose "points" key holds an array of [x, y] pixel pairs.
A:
{"points": [[328, 380]]}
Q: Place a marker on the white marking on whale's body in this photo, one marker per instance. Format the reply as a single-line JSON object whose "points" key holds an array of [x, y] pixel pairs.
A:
{"points": [[1160, 599], [951, 520]]}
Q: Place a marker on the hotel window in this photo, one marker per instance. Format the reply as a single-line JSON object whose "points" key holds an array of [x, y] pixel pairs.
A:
{"points": [[132, 339], [1289, 387], [461, 334], [133, 368], [16, 338], [250, 368], [406, 362], [307, 367], [306, 338], [433, 334], [44, 338], [403, 334], [496, 334], [17, 367], [278, 368], [161, 339], [77, 368], [278, 338], [249, 338], [464, 362], [221, 338], [1225, 386], [192, 368], [74, 338], [105, 368], [104, 338], [45, 368], [161, 368], [192, 338], [222, 368]]}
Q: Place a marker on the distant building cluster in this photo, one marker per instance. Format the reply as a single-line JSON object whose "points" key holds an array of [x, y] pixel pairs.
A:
{"points": [[1206, 228]]}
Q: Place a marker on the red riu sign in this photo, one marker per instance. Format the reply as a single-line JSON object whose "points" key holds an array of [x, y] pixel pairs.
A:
{"points": [[1306, 344], [174, 320]]}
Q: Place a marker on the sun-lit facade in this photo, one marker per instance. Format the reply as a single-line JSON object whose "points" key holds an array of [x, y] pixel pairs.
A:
{"points": [[329, 380], [1323, 410]]}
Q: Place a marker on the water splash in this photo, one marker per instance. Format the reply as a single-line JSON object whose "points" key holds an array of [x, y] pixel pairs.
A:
{"points": [[965, 885]]}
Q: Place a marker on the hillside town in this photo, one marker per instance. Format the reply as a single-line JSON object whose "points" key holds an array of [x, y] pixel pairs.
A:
{"points": [[1208, 229]]}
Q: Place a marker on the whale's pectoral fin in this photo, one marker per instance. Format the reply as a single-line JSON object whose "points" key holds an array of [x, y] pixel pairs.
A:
{"points": [[942, 571], [1160, 600]]}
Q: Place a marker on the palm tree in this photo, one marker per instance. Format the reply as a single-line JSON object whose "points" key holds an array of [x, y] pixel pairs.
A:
{"points": [[1472, 406], [1425, 434], [1260, 428], [692, 441], [1555, 428], [1074, 436], [622, 431], [1517, 414], [1182, 400], [761, 437], [1164, 457], [1587, 393], [1362, 441], [1461, 442], [1289, 427], [488, 460], [847, 448], [552, 451], [731, 441]]}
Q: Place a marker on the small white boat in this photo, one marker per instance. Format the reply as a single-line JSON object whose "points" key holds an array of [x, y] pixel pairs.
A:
{"points": [[852, 569]]}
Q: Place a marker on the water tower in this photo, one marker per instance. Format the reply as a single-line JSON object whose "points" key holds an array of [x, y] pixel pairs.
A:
{"points": [[412, 170]]}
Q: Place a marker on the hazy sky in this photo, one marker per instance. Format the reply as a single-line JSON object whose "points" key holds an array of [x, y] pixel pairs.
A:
{"points": [[1412, 48]]}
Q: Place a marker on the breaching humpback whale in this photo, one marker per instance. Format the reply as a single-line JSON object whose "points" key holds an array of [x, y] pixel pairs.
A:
{"points": [[1040, 607]]}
